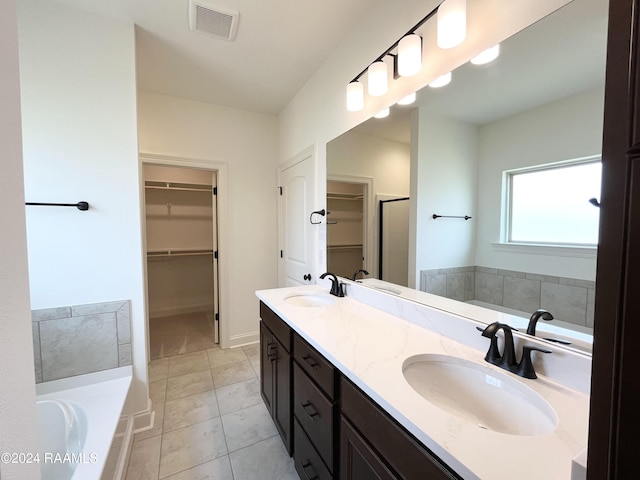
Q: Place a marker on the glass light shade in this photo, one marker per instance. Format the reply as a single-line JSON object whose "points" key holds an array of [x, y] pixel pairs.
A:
{"points": [[355, 96], [384, 113], [378, 81], [409, 55], [408, 100], [489, 55], [452, 23], [441, 81]]}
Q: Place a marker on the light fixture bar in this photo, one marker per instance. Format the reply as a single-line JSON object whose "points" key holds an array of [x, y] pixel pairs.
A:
{"points": [[392, 47]]}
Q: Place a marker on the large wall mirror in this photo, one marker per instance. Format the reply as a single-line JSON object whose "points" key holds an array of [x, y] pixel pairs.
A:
{"points": [[464, 150]]}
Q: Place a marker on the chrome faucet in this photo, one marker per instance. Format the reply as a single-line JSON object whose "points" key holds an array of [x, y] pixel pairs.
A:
{"points": [[337, 288], [355, 275], [507, 360]]}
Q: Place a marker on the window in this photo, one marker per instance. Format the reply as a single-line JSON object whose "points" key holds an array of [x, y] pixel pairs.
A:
{"points": [[550, 204]]}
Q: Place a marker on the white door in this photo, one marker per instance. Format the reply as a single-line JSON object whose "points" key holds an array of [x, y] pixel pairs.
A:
{"points": [[296, 233]]}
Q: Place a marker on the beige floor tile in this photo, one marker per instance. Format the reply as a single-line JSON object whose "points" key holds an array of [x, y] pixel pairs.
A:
{"points": [[228, 356], [190, 446], [190, 410], [180, 334], [247, 426], [252, 351], [145, 459], [218, 469], [158, 391], [185, 385], [265, 460], [238, 395], [233, 373], [158, 410], [188, 363], [158, 369]]}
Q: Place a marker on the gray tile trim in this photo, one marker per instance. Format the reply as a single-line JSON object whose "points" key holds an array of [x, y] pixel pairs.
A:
{"points": [[73, 340]]}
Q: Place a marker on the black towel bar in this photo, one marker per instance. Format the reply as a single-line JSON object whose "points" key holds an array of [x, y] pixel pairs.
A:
{"points": [[80, 205]]}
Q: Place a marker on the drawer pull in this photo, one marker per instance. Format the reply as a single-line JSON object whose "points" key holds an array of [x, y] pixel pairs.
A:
{"points": [[310, 410], [307, 465], [308, 359]]}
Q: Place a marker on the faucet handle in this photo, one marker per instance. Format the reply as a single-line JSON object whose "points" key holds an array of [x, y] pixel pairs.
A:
{"points": [[525, 367]]}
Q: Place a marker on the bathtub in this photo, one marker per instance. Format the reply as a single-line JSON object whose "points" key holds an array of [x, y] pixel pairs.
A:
{"points": [[77, 420]]}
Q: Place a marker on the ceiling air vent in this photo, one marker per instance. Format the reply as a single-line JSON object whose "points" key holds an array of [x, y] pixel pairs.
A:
{"points": [[210, 20]]}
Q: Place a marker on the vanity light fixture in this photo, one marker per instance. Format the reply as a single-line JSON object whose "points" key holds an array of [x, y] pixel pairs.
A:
{"points": [[355, 96], [409, 58], [384, 113], [407, 52], [408, 100], [441, 81], [452, 23], [486, 56], [377, 78]]}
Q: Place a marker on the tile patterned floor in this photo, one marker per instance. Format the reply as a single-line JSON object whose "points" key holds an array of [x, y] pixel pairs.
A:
{"points": [[210, 421]]}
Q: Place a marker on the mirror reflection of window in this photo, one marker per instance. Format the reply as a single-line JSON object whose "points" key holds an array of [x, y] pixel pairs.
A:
{"points": [[550, 204]]}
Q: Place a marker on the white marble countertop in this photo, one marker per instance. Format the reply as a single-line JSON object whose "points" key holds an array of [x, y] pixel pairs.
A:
{"points": [[369, 346]]}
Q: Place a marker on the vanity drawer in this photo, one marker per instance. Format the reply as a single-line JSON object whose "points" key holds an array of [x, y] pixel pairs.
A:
{"points": [[315, 413], [312, 362], [308, 463], [279, 328]]}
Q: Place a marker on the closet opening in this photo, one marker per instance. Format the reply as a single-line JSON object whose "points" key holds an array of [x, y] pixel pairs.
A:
{"points": [[347, 239], [182, 259]]}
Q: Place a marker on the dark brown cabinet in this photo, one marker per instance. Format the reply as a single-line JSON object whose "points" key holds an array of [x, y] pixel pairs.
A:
{"points": [[275, 372], [315, 412]]}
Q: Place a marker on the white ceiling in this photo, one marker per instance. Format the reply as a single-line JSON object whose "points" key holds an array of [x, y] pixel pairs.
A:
{"points": [[278, 47]]}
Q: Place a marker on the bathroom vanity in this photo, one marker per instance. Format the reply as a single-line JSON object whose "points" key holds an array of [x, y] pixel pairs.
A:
{"points": [[376, 386]]}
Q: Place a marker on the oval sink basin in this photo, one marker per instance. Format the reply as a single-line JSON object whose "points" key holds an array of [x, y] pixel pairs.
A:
{"points": [[479, 395], [309, 300]]}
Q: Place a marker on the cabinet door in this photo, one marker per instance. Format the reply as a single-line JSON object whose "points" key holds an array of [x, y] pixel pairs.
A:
{"points": [[357, 460], [282, 393], [266, 367]]}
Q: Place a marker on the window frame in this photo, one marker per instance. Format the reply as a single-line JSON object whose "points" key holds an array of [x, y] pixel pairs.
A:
{"points": [[507, 198]]}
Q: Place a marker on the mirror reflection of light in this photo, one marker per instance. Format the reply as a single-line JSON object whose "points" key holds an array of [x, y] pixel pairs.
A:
{"points": [[441, 81], [487, 56], [408, 100], [384, 113]]}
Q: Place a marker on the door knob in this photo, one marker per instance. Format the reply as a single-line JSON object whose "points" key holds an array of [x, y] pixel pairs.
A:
{"points": [[307, 277]]}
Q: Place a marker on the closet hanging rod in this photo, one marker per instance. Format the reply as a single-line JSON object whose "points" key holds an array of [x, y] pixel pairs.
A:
{"points": [[178, 253], [189, 187], [466, 217], [80, 205]]}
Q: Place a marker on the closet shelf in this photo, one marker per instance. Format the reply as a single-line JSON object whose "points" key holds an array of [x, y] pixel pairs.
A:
{"points": [[345, 247], [185, 187], [177, 252], [344, 196]]}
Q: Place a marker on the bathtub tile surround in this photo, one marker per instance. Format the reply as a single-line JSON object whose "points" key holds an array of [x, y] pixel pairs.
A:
{"points": [[80, 339], [219, 429], [569, 299]]}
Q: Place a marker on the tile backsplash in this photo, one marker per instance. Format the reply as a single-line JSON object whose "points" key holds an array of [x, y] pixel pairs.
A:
{"points": [[568, 299], [79, 339]]}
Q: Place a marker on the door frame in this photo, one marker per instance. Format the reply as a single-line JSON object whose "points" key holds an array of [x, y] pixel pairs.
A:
{"points": [[312, 152], [221, 169], [369, 238]]}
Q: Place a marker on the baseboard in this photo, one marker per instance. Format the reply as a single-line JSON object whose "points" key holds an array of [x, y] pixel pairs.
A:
{"points": [[143, 420], [159, 312], [246, 339]]}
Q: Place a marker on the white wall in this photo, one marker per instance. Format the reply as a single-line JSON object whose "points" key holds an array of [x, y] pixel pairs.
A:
{"points": [[17, 378], [246, 143], [567, 129], [318, 113], [443, 180], [79, 129]]}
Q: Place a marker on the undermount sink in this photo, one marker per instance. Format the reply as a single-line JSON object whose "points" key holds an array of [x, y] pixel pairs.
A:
{"points": [[479, 395], [309, 299]]}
